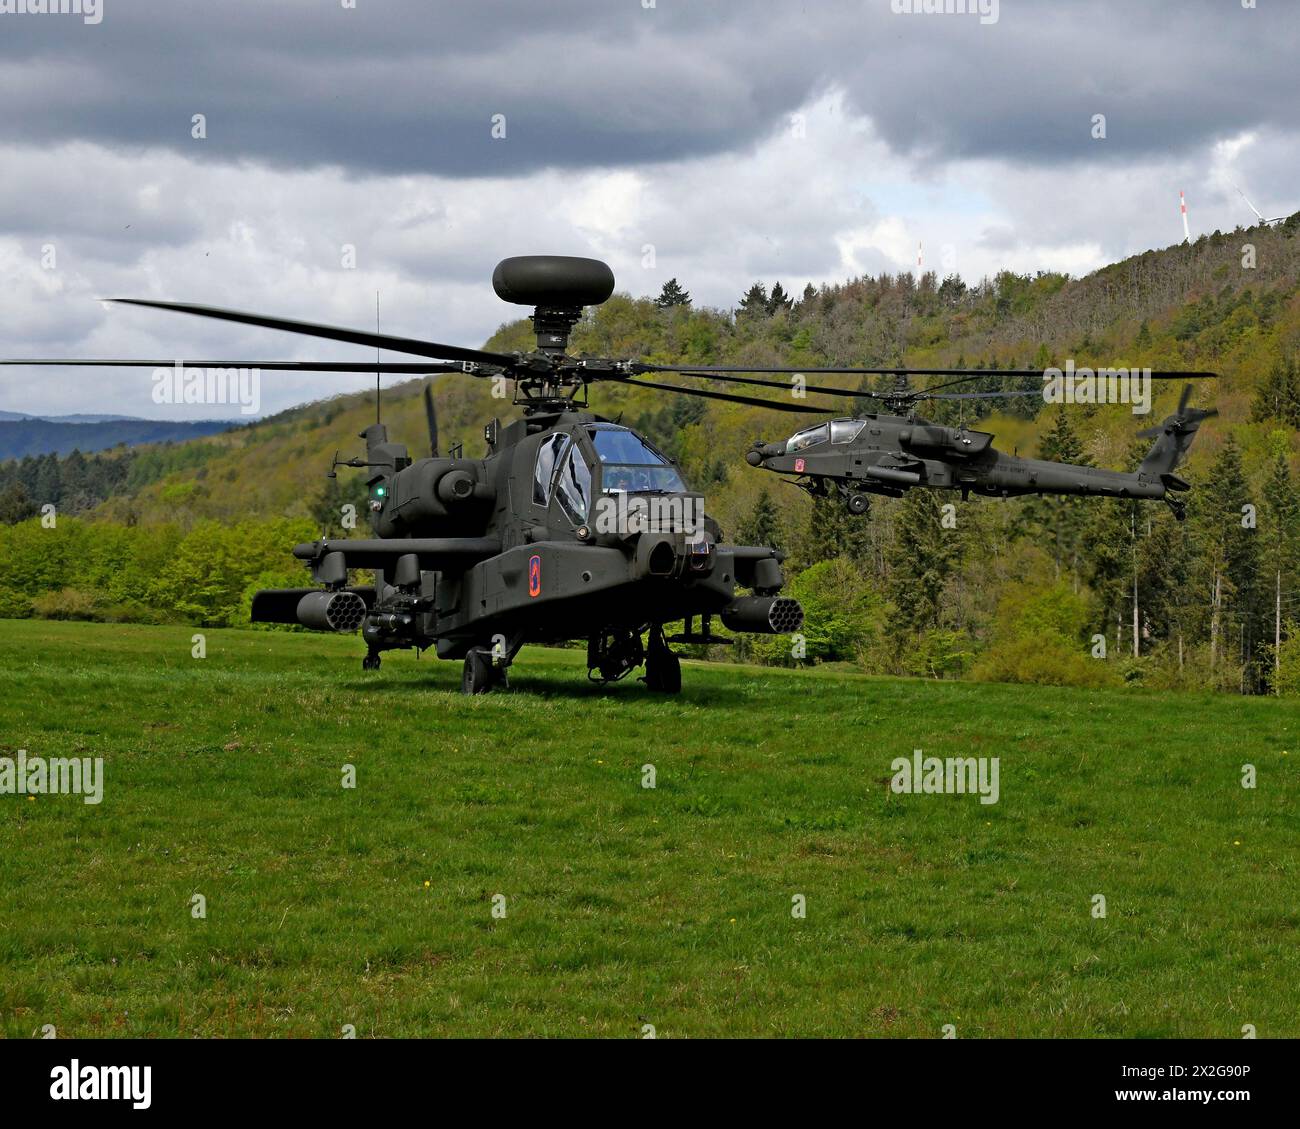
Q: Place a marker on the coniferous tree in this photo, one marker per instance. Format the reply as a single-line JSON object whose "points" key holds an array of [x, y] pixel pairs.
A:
{"points": [[779, 299], [762, 526], [754, 302], [1278, 396], [1061, 519], [1108, 536], [831, 531], [672, 294], [15, 505], [1163, 563], [924, 555], [1280, 528], [48, 487], [74, 483], [1108, 541], [1228, 558], [952, 290]]}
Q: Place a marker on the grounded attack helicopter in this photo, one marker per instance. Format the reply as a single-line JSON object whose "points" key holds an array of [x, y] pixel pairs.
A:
{"points": [[575, 527], [890, 452], [569, 527]]}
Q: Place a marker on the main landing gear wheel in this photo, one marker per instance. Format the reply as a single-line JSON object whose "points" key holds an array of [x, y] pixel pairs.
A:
{"points": [[663, 669], [859, 504], [481, 673], [371, 661]]}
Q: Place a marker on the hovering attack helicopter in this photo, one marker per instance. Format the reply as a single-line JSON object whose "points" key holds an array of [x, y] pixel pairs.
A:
{"points": [[890, 452]]}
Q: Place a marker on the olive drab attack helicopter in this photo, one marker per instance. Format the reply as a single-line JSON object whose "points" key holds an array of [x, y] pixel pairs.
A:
{"points": [[477, 557], [890, 452]]}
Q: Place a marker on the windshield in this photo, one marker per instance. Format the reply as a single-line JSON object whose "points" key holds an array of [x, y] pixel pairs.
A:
{"points": [[548, 454], [807, 438], [631, 465], [573, 486]]}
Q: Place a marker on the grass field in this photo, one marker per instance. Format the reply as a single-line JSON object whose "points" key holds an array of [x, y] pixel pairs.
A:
{"points": [[625, 905]]}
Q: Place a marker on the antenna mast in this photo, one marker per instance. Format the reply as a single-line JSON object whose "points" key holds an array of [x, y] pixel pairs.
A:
{"points": [[377, 361]]}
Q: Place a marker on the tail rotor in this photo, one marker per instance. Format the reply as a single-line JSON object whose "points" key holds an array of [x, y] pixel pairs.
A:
{"points": [[1172, 438], [1184, 421]]}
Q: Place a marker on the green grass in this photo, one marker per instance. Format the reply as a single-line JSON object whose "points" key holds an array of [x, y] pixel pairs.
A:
{"points": [[627, 905]]}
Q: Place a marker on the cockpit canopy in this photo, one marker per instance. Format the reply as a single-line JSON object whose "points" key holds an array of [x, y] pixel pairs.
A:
{"points": [[836, 431], [808, 437], [625, 463], [630, 464]]}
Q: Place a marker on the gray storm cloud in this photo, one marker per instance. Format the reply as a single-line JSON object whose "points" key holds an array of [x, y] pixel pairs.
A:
{"points": [[411, 86], [741, 141]]}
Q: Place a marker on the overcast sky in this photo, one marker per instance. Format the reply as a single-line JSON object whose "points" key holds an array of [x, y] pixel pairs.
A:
{"points": [[739, 140]]}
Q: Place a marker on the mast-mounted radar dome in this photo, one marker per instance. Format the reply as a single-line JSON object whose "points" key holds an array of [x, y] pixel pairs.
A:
{"points": [[553, 281]]}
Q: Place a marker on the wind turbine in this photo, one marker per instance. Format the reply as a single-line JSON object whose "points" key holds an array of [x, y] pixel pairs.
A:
{"points": [[1254, 209]]}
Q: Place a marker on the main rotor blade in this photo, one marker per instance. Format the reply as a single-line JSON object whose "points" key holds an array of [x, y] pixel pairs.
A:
{"points": [[901, 370], [705, 375], [979, 395], [331, 332], [924, 394], [753, 401], [967, 376], [413, 368], [709, 370], [987, 372]]}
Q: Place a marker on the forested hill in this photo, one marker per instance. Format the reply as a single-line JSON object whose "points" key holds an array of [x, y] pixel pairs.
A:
{"points": [[22, 437], [1226, 302]]}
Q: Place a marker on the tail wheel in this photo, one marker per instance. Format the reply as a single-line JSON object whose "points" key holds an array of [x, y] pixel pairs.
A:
{"points": [[859, 504]]}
